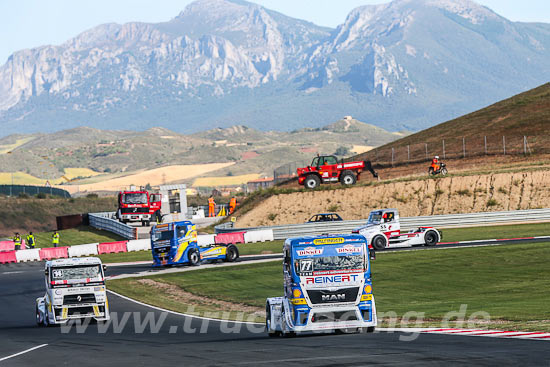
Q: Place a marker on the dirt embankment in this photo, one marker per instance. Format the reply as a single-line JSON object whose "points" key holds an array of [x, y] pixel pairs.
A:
{"points": [[480, 193]]}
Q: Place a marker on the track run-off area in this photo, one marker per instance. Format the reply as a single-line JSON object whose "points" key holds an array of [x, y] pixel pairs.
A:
{"points": [[140, 334]]}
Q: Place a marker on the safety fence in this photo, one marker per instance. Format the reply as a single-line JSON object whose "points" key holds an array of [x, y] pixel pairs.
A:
{"points": [[91, 249], [407, 223], [106, 222], [460, 147], [17, 190], [288, 171]]}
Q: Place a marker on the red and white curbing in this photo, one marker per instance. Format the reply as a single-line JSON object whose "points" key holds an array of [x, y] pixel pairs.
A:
{"points": [[487, 333]]}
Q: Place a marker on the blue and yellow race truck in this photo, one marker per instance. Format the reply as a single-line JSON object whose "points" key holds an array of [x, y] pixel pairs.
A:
{"points": [[327, 286], [176, 243]]}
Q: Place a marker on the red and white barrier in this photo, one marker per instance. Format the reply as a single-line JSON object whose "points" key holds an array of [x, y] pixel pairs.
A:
{"points": [[232, 237], [28, 255], [7, 246], [8, 257], [111, 247], [138, 245], [83, 250], [54, 253], [258, 236]]}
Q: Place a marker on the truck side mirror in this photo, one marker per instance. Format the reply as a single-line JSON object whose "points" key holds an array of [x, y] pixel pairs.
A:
{"points": [[104, 268], [372, 254], [46, 272]]}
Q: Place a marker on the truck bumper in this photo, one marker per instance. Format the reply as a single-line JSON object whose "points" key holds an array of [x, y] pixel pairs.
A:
{"points": [[97, 311], [136, 217]]}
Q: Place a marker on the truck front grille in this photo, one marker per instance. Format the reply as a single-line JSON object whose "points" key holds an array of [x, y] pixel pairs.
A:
{"points": [[334, 316], [76, 299], [338, 296], [134, 210]]}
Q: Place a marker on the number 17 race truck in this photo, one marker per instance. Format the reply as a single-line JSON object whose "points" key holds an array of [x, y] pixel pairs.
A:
{"points": [[75, 289], [176, 244], [383, 230], [327, 287]]}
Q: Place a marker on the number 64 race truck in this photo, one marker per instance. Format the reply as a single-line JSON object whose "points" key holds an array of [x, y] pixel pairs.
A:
{"points": [[75, 289], [383, 230], [327, 286]]}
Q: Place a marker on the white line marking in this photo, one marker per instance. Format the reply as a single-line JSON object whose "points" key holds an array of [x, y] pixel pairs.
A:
{"points": [[12, 272], [180, 313], [23, 352]]}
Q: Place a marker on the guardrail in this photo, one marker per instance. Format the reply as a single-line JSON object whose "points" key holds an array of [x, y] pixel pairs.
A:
{"points": [[104, 221], [438, 221]]}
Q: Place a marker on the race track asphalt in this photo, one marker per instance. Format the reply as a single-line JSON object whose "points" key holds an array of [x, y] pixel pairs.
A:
{"points": [[21, 284]]}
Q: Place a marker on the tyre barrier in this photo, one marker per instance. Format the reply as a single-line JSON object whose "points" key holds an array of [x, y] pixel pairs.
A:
{"points": [[54, 253], [83, 250], [206, 239], [8, 257], [7, 246], [233, 237], [138, 245], [258, 236], [111, 247], [28, 255]]}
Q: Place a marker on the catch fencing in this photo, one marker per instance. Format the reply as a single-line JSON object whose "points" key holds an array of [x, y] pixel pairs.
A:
{"points": [[407, 223], [17, 190], [460, 147]]}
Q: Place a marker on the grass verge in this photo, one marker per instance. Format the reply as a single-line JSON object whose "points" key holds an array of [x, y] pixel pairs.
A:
{"points": [[75, 236], [509, 283]]}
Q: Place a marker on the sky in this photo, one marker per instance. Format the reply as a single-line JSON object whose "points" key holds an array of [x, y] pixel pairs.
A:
{"points": [[32, 23]]}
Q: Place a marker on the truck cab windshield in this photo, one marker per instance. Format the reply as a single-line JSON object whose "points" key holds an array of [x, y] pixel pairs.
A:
{"points": [[374, 218], [331, 263], [135, 198], [161, 236], [88, 272]]}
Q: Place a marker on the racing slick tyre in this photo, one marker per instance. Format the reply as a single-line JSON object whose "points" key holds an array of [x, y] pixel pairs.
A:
{"points": [[231, 254], [39, 320], [194, 257], [270, 333], [368, 330], [348, 178], [379, 242], [286, 333], [312, 181], [430, 238]]}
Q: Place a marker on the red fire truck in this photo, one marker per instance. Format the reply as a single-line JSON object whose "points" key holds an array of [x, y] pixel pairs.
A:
{"points": [[327, 169], [138, 206]]}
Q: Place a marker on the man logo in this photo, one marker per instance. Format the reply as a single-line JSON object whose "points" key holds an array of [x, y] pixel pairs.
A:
{"points": [[135, 210], [333, 297]]}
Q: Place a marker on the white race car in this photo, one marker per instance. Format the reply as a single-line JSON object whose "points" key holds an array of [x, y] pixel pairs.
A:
{"points": [[384, 231], [75, 289]]}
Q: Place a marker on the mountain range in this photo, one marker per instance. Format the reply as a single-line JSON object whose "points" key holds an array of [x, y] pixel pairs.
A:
{"points": [[407, 64]]}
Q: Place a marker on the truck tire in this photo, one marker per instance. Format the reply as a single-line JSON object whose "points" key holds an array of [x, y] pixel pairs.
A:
{"points": [[38, 317], [270, 333], [312, 181], [379, 242], [232, 253], [194, 257], [430, 238], [347, 178], [369, 329]]}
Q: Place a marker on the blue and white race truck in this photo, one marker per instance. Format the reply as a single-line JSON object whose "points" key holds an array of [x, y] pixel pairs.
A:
{"points": [[176, 243], [327, 286]]}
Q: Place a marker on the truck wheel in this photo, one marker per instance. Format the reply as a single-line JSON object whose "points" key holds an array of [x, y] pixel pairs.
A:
{"points": [[231, 254], [194, 257], [147, 223], [369, 329], [379, 242], [430, 238], [348, 178], [270, 333], [312, 181], [38, 318]]}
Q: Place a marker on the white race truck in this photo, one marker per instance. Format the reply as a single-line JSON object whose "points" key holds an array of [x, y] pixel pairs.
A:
{"points": [[383, 230], [327, 287], [75, 289]]}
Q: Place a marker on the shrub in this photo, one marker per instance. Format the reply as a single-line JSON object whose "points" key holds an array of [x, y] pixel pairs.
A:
{"points": [[439, 192], [272, 216], [492, 202], [23, 195], [502, 190], [41, 195], [92, 196], [464, 192], [333, 208]]}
